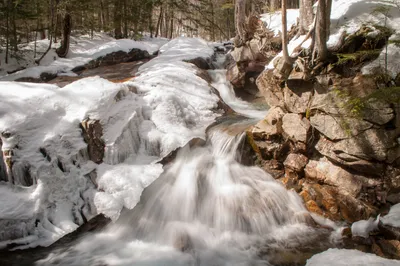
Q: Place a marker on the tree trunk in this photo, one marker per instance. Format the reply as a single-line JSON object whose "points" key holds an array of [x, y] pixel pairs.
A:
{"points": [[322, 30], [285, 41], [7, 30], [171, 26], [158, 27], [63, 50], [240, 17], [306, 15], [53, 8], [274, 5], [125, 19], [117, 19]]}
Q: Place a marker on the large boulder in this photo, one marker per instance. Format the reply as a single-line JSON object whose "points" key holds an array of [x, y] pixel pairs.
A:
{"points": [[327, 173], [296, 127], [271, 125]]}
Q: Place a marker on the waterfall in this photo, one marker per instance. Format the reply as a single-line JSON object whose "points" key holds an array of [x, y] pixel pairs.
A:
{"points": [[207, 209]]}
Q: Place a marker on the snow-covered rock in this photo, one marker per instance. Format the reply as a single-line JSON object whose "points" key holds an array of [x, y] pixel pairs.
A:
{"points": [[344, 257], [83, 49], [141, 121]]}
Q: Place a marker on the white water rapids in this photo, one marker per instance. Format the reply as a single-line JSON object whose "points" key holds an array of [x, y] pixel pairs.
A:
{"points": [[206, 209]]}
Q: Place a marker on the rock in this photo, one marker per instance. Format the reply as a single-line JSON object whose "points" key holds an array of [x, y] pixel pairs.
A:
{"points": [[321, 200], [116, 58], [270, 125], [201, 63], [297, 100], [296, 81], [270, 88], [326, 148], [235, 76], [337, 128], [221, 105], [332, 102], [377, 112], [326, 172], [372, 144], [45, 76], [282, 69], [92, 132], [324, 80], [295, 127], [296, 162], [388, 231], [391, 248]]}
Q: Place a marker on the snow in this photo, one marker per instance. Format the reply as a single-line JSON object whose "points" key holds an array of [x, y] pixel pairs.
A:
{"points": [[83, 49], [142, 120], [364, 227], [344, 257], [349, 16], [273, 20], [393, 217], [179, 49]]}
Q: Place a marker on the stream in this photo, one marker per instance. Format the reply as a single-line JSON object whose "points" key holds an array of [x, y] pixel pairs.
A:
{"points": [[207, 208]]}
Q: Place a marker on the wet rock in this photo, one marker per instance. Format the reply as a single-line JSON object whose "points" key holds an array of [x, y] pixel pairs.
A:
{"points": [[337, 128], [296, 127], [201, 63], [326, 172], [3, 168], [296, 162], [92, 132], [221, 105]]}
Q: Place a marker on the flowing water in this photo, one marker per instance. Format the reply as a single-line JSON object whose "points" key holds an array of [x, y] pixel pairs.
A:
{"points": [[208, 209]]}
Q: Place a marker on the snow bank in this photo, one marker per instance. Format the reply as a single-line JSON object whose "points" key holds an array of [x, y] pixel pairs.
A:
{"points": [[142, 120], [179, 49], [344, 257], [393, 217], [349, 16], [83, 49], [273, 20]]}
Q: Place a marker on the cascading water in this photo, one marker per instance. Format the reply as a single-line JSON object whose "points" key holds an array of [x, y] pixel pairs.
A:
{"points": [[207, 209]]}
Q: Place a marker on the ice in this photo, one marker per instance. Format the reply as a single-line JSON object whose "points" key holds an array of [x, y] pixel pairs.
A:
{"points": [[142, 120], [345, 257], [364, 227]]}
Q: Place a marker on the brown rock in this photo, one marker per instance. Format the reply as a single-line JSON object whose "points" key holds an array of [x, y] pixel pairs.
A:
{"points": [[327, 148], [269, 87], [295, 127], [297, 100], [270, 125], [337, 128], [391, 248], [326, 172], [296, 162]]}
